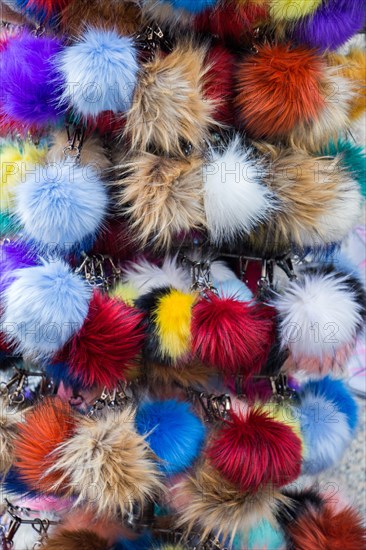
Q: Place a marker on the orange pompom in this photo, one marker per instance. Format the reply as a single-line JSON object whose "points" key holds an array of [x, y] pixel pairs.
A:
{"points": [[46, 426], [277, 88]]}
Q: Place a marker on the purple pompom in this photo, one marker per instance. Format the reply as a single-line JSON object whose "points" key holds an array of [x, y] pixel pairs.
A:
{"points": [[30, 83], [333, 23], [14, 255]]}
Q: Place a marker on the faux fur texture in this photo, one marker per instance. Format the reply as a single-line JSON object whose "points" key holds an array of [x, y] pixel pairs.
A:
{"points": [[234, 288], [92, 154], [352, 157], [13, 256], [145, 276], [29, 91], [9, 420], [61, 204], [318, 367], [107, 343], [332, 24], [265, 536], [277, 88], [43, 308], [99, 73], [163, 197], [41, 9], [193, 374], [45, 427], [76, 540], [292, 10], [189, 6], [214, 505], [219, 83], [257, 447], [318, 313], [169, 109], [235, 199], [107, 465], [173, 432]]}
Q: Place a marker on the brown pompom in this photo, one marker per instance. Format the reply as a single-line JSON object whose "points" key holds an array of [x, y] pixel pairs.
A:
{"points": [[76, 540], [162, 378], [9, 419], [92, 153], [123, 16], [169, 108], [163, 197]]}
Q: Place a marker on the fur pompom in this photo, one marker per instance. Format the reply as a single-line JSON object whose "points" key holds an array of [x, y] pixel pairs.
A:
{"points": [[92, 154], [234, 288], [13, 256], [332, 24], [106, 464], [352, 157], [169, 109], [45, 427], [61, 204], [192, 374], [188, 5], [319, 313], [163, 197], [235, 199], [76, 540], [9, 420], [42, 9], [256, 447], [145, 276], [328, 528], [230, 334], [30, 89], [107, 343], [99, 73], [173, 432], [44, 307], [277, 88], [211, 504], [264, 536], [291, 10], [219, 83], [16, 160]]}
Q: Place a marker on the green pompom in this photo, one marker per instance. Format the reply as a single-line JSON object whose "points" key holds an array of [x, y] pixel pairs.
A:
{"points": [[352, 157]]}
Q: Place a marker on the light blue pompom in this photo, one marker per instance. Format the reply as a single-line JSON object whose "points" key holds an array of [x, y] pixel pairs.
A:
{"points": [[174, 433], [99, 73], [43, 308], [234, 288], [261, 536]]}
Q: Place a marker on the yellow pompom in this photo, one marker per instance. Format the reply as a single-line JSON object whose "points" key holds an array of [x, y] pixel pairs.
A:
{"points": [[291, 10], [16, 161], [172, 317], [125, 292]]}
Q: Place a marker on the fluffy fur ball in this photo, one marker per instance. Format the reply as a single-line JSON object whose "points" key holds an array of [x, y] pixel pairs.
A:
{"points": [[92, 154], [145, 276], [277, 88], [9, 420], [235, 199], [319, 313], [219, 83], [110, 338], [14, 255], [45, 427], [352, 157], [163, 197], [30, 88], [234, 288], [61, 204], [257, 447], [230, 334], [99, 72], [76, 540], [43, 307], [107, 463], [292, 10], [169, 109], [173, 432]]}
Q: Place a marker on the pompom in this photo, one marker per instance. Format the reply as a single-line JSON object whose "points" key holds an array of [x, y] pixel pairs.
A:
{"points": [[332, 24], [291, 10], [102, 350], [16, 161], [257, 447], [192, 374], [45, 427], [92, 154], [107, 461], [234, 288], [173, 432], [230, 334], [163, 198], [188, 5], [99, 73], [352, 157], [235, 199], [277, 88], [76, 540], [145, 276], [42, 9], [14, 255], [30, 90], [61, 204], [265, 535], [219, 83], [8, 225], [319, 313], [44, 307], [9, 420], [171, 90]]}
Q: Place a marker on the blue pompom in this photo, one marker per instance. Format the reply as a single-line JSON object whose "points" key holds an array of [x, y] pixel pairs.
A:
{"points": [[60, 372], [144, 542], [99, 72], [13, 484], [60, 205], [263, 535], [174, 433], [192, 6], [234, 288], [43, 307]]}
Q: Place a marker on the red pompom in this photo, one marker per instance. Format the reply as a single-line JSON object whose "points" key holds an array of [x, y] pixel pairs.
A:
{"points": [[279, 87], [219, 83], [46, 426], [114, 240], [231, 335], [254, 449], [47, 7], [108, 123], [111, 337]]}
